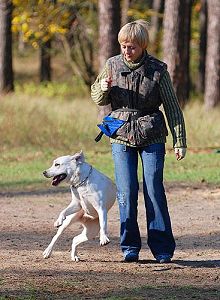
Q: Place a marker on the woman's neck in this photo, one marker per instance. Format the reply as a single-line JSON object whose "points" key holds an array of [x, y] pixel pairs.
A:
{"points": [[134, 65]]}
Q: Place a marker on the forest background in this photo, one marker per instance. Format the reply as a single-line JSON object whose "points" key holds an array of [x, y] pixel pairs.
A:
{"points": [[51, 52]]}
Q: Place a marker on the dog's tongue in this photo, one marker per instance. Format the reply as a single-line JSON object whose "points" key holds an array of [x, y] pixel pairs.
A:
{"points": [[57, 179]]}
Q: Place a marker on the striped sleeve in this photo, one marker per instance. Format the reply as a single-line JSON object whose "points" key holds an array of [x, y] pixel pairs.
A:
{"points": [[98, 96], [173, 111]]}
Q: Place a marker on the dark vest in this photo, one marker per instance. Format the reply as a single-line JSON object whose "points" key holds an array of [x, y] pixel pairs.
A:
{"points": [[136, 89], [135, 99]]}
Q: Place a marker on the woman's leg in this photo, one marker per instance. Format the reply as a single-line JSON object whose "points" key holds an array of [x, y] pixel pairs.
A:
{"points": [[160, 237], [126, 163]]}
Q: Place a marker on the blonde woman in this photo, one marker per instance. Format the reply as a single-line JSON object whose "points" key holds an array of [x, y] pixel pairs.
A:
{"points": [[136, 85]]}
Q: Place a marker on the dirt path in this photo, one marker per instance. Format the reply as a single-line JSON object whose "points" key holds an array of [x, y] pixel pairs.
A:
{"points": [[27, 226]]}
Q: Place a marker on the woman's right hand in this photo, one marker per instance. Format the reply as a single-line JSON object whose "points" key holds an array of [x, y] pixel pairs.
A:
{"points": [[105, 84]]}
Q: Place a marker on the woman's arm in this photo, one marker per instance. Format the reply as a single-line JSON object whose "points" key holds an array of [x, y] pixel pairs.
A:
{"points": [[173, 112], [99, 96]]}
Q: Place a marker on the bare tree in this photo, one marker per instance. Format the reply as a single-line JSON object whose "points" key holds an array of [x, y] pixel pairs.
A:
{"points": [[109, 24], [176, 41], [212, 80], [202, 46], [79, 50], [6, 71]]}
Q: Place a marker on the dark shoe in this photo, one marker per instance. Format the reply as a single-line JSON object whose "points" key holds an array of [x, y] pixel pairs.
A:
{"points": [[131, 257], [163, 258]]}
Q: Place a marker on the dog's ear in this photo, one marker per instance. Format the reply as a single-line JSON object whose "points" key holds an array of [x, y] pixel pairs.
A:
{"points": [[79, 157]]}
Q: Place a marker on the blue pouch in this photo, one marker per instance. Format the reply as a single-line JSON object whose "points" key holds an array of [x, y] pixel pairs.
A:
{"points": [[109, 126]]}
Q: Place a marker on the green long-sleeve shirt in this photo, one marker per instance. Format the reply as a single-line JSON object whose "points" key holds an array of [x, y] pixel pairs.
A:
{"points": [[170, 105]]}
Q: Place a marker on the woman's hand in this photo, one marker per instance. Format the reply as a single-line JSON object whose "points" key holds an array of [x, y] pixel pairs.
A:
{"points": [[105, 84], [180, 153]]}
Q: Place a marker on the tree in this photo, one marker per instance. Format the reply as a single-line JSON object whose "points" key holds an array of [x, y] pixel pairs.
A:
{"points": [[45, 61], [212, 78], [156, 22], [6, 71], [176, 25], [124, 11], [109, 25], [65, 22], [45, 57], [202, 46]]}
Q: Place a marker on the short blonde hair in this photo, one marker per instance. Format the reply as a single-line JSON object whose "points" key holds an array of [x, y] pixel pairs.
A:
{"points": [[136, 31]]}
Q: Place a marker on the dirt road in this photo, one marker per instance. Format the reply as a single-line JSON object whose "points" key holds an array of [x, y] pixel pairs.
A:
{"points": [[27, 226]]}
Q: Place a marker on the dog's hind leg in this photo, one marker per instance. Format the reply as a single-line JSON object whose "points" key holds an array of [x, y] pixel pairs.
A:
{"points": [[90, 231], [71, 218]]}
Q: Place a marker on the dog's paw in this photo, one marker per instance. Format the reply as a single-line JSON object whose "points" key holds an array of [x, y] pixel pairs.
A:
{"points": [[104, 240], [75, 258], [59, 221], [47, 253]]}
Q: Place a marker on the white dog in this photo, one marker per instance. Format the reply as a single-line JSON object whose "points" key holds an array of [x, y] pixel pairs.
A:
{"points": [[93, 194]]}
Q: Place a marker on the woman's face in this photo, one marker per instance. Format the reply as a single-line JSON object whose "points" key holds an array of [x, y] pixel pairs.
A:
{"points": [[131, 51]]}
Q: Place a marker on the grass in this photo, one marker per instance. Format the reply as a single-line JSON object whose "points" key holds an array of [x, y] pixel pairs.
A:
{"points": [[41, 122], [22, 168], [36, 128]]}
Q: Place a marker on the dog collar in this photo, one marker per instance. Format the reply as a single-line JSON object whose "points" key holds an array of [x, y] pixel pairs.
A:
{"points": [[84, 180]]}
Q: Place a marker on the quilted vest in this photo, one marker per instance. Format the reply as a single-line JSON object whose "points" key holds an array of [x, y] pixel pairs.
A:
{"points": [[135, 99], [135, 89]]}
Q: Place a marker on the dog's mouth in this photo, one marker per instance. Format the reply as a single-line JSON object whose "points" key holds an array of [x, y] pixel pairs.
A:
{"points": [[57, 179]]}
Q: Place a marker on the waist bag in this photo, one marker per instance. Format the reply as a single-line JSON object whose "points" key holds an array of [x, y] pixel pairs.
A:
{"points": [[109, 126], [133, 126]]}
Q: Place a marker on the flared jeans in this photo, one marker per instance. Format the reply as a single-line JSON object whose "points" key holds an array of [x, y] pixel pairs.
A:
{"points": [[159, 232]]}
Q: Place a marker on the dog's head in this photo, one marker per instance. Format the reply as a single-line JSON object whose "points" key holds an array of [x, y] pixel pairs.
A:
{"points": [[64, 167]]}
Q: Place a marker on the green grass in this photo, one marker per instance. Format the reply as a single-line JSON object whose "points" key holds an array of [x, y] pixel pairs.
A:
{"points": [[21, 169], [196, 167], [35, 129]]}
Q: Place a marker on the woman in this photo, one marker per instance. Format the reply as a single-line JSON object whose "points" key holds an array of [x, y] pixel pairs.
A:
{"points": [[136, 85]]}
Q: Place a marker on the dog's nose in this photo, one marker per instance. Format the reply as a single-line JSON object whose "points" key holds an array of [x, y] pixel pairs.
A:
{"points": [[44, 173]]}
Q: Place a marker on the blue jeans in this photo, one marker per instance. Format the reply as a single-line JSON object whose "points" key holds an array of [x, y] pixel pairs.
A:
{"points": [[160, 237]]}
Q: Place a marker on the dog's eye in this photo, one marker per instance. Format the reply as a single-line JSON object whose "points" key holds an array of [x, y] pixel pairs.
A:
{"points": [[57, 165]]}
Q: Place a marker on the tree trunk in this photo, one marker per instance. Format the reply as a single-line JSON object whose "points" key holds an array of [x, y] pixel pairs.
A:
{"points": [[202, 46], [176, 41], [124, 11], [109, 25], [156, 22], [212, 78], [45, 62], [6, 70]]}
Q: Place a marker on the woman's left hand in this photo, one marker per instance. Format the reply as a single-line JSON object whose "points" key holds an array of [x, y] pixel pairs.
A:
{"points": [[180, 153]]}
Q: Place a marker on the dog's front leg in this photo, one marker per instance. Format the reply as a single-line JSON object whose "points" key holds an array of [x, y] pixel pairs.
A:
{"points": [[102, 212], [72, 208], [71, 218]]}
